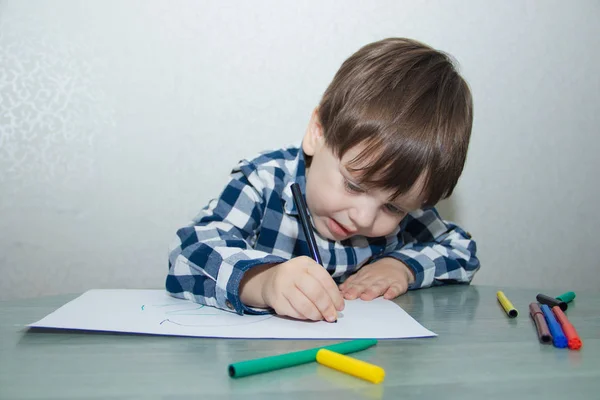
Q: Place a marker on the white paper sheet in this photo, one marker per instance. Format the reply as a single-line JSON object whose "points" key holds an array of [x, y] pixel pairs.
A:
{"points": [[154, 312]]}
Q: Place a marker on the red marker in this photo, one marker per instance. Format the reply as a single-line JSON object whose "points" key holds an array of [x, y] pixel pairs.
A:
{"points": [[573, 340]]}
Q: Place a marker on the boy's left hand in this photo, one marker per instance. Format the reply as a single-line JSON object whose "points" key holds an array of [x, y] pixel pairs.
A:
{"points": [[387, 276]]}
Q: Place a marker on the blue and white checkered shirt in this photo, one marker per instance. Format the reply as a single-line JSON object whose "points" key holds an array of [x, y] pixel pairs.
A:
{"points": [[255, 222]]}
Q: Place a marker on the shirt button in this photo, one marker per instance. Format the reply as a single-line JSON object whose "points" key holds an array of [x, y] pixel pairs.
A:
{"points": [[229, 305]]}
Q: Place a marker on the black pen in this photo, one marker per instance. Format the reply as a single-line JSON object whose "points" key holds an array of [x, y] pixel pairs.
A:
{"points": [[306, 225], [551, 301]]}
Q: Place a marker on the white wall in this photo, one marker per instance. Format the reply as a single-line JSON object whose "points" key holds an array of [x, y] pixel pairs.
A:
{"points": [[119, 120]]}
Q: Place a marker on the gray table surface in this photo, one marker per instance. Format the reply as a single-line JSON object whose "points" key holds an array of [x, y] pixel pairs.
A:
{"points": [[479, 354]]}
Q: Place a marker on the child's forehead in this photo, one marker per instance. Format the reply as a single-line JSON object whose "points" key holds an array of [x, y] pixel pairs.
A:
{"points": [[355, 163], [359, 159], [360, 152]]}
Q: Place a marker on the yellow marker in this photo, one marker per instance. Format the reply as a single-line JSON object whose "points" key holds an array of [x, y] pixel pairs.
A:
{"points": [[352, 366], [511, 311]]}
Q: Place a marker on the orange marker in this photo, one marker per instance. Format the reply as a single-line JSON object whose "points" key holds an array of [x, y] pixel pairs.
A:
{"points": [[573, 340]]}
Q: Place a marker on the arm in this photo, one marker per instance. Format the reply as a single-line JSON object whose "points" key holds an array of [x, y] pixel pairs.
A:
{"points": [[437, 252], [208, 259]]}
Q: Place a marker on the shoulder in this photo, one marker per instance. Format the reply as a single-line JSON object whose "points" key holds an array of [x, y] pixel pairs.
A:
{"points": [[283, 158], [277, 164], [424, 224]]}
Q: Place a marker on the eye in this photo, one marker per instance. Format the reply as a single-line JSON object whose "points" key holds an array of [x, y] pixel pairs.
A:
{"points": [[352, 188], [392, 209]]}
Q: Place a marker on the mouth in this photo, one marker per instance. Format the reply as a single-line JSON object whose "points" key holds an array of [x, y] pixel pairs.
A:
{"points": [[338, 229]]}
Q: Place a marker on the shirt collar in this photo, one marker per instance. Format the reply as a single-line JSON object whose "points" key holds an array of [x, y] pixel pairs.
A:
{"points": [[296, 176]]}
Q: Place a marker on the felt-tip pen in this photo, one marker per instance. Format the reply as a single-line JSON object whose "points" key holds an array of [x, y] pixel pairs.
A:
{"points": [[306, 225], [558, 337], [573, 340]]}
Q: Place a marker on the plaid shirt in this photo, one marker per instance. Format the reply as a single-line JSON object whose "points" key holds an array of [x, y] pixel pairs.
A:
{"points": [[255, 222]]}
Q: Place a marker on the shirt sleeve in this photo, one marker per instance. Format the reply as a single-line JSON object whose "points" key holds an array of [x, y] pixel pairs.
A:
{"points": [[437, 251], [208, 258]]}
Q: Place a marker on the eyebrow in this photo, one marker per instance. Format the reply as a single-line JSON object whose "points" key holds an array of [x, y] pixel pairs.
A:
{"points": [[398, 205], [403, 206], [352, 178], [353, 181]]}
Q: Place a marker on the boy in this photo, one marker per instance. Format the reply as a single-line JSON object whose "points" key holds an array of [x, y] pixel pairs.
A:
{"points": [[388, 141]]}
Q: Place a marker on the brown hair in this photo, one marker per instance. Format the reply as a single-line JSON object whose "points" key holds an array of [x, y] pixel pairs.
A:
{"points": [[407, 104]]}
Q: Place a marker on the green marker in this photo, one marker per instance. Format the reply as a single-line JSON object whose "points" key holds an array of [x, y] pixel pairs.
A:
{"points": [[566, 297], [251, 367]]}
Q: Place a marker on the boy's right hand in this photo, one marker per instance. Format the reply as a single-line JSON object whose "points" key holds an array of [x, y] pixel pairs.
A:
{"points": [[303, 289]]}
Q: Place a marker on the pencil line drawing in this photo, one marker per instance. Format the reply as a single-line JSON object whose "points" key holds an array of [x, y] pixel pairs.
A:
{"points": [[193, 315], [250, 322]]}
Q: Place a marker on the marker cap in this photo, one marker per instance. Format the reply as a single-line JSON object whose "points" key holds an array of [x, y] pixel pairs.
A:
{"points": [[551, 301], [508, 307], [352, 366], [265, 364], [573, 340], [558, 336], [540, 323], [566, 297]]}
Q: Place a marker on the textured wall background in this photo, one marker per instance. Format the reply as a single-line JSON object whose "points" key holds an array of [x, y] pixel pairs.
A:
{"points": [[120, 120]]}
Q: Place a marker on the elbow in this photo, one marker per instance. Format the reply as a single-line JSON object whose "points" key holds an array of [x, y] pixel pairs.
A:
{"points": [[471, 267]]}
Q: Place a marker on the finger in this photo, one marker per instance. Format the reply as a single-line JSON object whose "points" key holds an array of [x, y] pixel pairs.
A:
{"points": [[319, 297], [353, 279], [374, 290], [354, 291], [328, 284], [394, 291], [347, 282], [358, 285], [303, 305], [283, 307]]}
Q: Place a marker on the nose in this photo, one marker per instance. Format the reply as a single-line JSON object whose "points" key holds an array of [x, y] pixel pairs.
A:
{"points": [[363, 214]]}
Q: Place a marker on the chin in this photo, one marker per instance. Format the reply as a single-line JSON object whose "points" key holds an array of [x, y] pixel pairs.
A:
{"points": [[337, 239], [326, 235]]}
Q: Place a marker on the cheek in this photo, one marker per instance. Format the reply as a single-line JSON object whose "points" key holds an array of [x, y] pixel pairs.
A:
{"points": [[324, 192], [385, 225], [315, 193], [323, 198]]}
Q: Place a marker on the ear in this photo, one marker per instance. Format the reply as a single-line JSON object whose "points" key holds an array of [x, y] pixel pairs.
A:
{"points": [[313, 138]]}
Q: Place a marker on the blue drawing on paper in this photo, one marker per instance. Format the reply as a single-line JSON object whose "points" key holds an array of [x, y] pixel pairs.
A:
{"points": [[185, 313]]}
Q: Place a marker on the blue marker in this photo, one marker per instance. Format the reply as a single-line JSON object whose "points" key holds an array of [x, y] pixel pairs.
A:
{"points": [[558, 336]]}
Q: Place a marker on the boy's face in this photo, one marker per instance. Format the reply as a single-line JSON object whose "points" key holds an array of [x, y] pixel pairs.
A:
{"points": [[339, 206]]}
